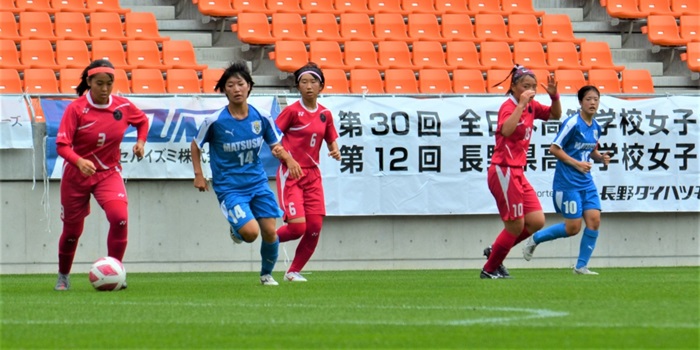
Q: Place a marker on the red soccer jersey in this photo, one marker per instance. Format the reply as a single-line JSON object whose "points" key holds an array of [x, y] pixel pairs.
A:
{"points": [[512, 150], [95, 131], [303, 131]]}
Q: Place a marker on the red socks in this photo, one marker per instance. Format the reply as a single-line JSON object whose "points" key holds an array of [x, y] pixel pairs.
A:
{"points": [[291, 231], [308, 243], [117, 214], [67, 245], [499, 250]]}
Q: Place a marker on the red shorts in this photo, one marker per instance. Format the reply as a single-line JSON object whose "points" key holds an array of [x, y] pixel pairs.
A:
{"points": [[76, 188], [300, 197], [514, 195]]}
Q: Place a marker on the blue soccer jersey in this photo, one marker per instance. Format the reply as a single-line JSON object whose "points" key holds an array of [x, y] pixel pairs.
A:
{"points": [[234, 148], [578, 140]]}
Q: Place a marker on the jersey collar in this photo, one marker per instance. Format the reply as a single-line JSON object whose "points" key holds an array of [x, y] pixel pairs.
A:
{"points": [[89, 98]]}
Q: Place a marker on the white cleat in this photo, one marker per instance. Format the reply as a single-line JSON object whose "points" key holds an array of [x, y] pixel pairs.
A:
{"points": [[233, 236], [294, 277], [584, 271], [529, 248], [267, 280]]}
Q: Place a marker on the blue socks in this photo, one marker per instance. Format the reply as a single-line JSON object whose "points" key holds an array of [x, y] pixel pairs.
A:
{"points": [[550, 233], [268, 252], [586, 249]]}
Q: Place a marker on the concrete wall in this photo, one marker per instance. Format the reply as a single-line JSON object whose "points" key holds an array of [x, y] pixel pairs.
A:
{"points": [[173, 227]]}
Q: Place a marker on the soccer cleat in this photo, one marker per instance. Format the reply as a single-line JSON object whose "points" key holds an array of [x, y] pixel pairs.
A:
{"points": [[502, 270], [294, 277], [63, 282], [490, 275], [233, 236], [584, 271], [529, 248], [267, 280]]}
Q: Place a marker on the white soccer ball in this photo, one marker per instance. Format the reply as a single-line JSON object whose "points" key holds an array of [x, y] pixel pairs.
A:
{"points": [[108, 274]]}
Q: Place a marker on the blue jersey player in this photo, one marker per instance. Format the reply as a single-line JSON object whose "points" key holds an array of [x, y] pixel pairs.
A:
{"points": [[575, 194], [236, 134]]}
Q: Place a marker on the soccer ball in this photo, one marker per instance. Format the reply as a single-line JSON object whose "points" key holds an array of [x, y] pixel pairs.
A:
{"points": [[107, 274]]}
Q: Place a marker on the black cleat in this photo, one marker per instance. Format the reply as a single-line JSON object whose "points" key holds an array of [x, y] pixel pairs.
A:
{"points": [[502, 270], [490, 275]]}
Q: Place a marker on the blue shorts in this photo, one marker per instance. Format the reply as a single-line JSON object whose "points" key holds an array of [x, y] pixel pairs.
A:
{"points": [[241, 207], [572, 204]]}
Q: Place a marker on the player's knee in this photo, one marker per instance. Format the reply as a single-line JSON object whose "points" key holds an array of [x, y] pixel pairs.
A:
{"points": [[573, 229]]}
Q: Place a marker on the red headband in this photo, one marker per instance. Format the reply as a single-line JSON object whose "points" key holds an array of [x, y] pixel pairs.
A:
{"points": [[108, 70]]}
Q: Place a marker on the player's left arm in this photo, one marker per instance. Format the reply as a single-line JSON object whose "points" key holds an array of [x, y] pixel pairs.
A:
{"points": [[280, 153], [331, 135], [600, 158], [333, 151], [551, 87]]}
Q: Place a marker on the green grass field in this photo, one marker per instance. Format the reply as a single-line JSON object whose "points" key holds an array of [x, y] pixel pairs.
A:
{"points": [[538, 309]]}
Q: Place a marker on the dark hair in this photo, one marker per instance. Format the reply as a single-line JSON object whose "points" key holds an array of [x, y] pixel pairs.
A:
{"points": [[312, 68], [584, 90], [236, 69], [83, 86], [517, 73]]}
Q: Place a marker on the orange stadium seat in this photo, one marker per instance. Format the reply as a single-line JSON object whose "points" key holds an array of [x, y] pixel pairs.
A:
{"points": [[180, 54], [386, 6], [121, 82], [524, 27], [686, 7], [394, 54], [419, 6], [327, 55], [68, 79], [597, 55], [70, 6], [656, 7], [569, 80], [662, 30], [400, 81], [142, 26], [462, 55], [107, 26], [491, 27], [390, 26], [485, 6], [495, 76], [8, 27], [253, 28], [541, 76], [606, 80], [147, 81], [626, 9], [38, 54], [9, 81], [71, 26], [284, 6], [351, 6], [428, 54], [112, 51], [145, 54], [106, 6], [322, 26], [468, 81], [289, 55], [72, 54], [520, 7], [434, 81], [496, 55], [366, 81], [288, 26], [9, 57], [9, 6], [40, 81], [336, 82], [692, 56], [690, 27], [35, 6], [360, 54], [319, 6], [453, 6], [182, 81], [530, 54], [36, 25], [216, 8], [251, 6], [637, 81], [356, 26], [563, 55], [424, 26], [210, 77], [557, 27], [457, 26]]}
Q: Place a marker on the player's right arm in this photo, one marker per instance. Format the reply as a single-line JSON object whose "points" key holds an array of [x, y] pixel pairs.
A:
{"points": [[200, 182], [511, 122], [64, 142], [559, 153]]}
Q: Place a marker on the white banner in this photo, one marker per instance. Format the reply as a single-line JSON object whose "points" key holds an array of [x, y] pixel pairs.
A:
{"points": [[15, 123], [413, 156], [173, 122]]}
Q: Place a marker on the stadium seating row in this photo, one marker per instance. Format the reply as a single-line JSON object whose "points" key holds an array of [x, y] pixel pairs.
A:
{"points": [[53, 6], [74, 25], [75, 54], [665, 30], [290, 55], [258, 28], [638, 9], [399, 81], [230, 8]]}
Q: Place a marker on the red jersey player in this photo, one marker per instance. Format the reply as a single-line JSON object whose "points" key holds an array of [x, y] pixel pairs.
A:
{"points": [[88, 139], [305, 125], [516, 200]]}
